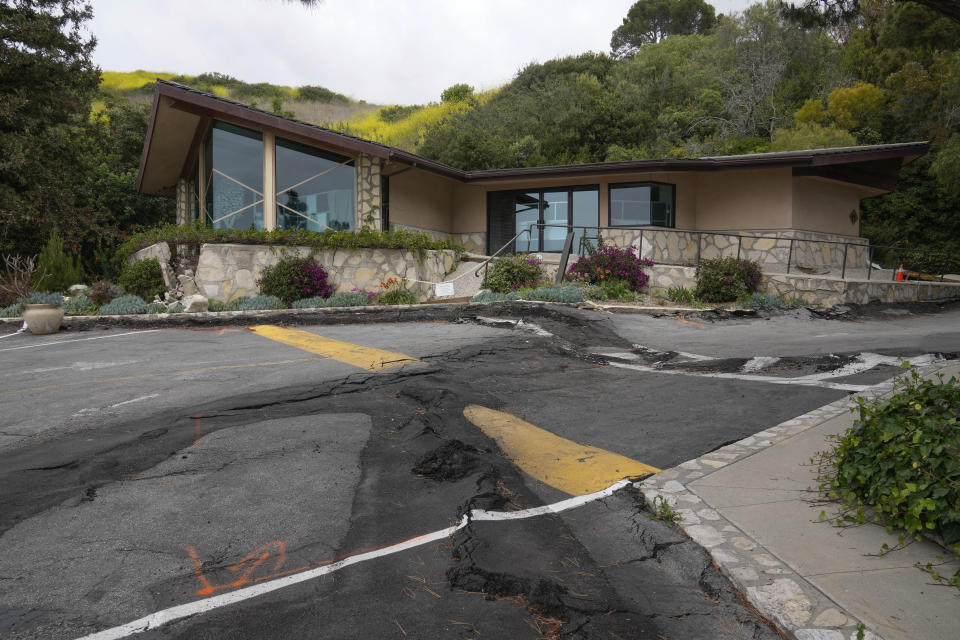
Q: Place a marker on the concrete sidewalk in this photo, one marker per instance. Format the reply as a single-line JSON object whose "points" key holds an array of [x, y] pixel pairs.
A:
{"points": [[751, 505]]}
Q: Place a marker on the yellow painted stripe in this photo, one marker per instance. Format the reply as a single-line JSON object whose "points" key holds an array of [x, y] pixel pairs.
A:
{"points": [[359, 356], [558, 462]]}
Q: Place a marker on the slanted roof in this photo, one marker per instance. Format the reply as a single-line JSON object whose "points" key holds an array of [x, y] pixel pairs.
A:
{"points": [[180, 116]]}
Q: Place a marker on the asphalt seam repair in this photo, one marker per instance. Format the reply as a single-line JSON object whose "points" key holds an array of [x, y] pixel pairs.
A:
{"points": [[165, 616]]}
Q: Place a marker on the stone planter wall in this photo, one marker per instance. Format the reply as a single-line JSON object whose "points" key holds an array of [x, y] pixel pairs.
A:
{"points": [[829, 292], [228, 271], [160, 251]]}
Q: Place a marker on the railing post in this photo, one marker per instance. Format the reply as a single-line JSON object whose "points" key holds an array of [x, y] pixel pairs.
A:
{"points": [[843, 269], [699, 242], [739, 244], [640, 253], [790, 255]]}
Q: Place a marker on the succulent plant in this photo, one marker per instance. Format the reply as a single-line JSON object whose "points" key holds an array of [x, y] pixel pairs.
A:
{"points": [[124, 305], [79, 306]]}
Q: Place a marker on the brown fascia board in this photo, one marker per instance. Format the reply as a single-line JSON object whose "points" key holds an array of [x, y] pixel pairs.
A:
{"points": [[147, 139]]}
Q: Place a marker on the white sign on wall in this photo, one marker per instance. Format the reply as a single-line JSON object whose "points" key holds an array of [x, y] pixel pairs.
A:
{"points": [[444, 289]]}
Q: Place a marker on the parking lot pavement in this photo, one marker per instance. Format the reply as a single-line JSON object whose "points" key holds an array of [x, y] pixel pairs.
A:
{"points": [[93, 379], [272, 491]]}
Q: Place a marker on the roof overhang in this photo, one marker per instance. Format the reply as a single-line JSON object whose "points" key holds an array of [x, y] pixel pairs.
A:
{"points": [[182, 115]]}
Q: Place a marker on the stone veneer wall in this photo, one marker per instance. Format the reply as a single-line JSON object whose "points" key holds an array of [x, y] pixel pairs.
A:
{"points": [[368, 192], [829, 292], [812, 252], [473, 242], [228, 271]]}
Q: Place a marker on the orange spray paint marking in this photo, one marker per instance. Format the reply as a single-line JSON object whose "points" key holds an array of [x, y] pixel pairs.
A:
{"points": [[260, 555], [691, 322], [248, 565], [196, 429]]}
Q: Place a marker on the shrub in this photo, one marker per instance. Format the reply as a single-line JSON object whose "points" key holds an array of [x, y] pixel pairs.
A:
{"points": [[56, 268], [124, 305], [18, 279], [612, 263], [12, 311], [395, 291], [681, 295], [42, 298], [343, 299], [143, 278], [616, 289], [510, 273], [726, 279], [257, 303], [901, 458], [79, 306], [294, 279], [103, 291], [216, 305], [177, 308]]}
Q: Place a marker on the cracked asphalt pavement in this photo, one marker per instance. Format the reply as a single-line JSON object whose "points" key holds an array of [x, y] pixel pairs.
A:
{"points": [[177, 469]]}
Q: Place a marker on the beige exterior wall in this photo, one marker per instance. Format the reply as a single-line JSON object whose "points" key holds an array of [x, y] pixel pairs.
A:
{"points": [[423, 200], [753, 199], [824, 205]]}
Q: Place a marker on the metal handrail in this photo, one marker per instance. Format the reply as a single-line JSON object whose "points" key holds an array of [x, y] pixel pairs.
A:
{"points": [[700, 234]]}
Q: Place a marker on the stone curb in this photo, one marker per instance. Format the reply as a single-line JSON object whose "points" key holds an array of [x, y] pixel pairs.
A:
{"points": [[434, 312], [800, 608]]}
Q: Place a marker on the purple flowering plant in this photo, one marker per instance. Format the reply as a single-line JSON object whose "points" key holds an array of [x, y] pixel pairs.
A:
{"points": [[294, 278], [612, 263], [311, 280]]}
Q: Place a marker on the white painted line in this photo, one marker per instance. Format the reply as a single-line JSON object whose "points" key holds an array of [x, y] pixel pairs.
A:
{"points": [[56, 342], [758, 362], [160, 618], [120, 404], [803, 382]]}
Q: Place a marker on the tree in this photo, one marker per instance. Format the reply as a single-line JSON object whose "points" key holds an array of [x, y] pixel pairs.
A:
{"points": [[47, 81], [457, 93], [653, 20]]}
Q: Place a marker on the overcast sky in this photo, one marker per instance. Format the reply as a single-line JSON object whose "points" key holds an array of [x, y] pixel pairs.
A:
{"points": [[380, 51]]}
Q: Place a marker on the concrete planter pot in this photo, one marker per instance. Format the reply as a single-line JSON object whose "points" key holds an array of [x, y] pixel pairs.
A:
{"points": [[42, 318]]}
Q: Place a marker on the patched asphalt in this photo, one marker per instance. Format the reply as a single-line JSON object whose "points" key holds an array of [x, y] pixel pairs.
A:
{"points": [[126, 511]]}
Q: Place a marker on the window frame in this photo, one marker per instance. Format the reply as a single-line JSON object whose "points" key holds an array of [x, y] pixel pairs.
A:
{"points": [[569, 190], [643, 183]]}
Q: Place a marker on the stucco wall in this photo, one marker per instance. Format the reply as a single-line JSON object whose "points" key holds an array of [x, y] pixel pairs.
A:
{"points": [[755, 199], [228, 271], [825, 205], [423, 200]]}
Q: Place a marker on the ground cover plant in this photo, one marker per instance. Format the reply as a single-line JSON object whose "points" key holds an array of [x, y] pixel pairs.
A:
{"points": [[256, 303], [294, 278], [124, 305], [900, 462], [510, 273], [342, 299], [546, 293], [727, 279], [610, 266], [143, 278]]}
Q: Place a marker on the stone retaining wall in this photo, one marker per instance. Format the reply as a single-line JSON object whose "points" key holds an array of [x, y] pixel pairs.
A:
{"points": [[160, 251], [228, 271], [811, 252], [829, 292]]}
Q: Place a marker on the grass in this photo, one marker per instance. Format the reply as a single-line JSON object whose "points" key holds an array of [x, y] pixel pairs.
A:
{"points": [[131, 80]]}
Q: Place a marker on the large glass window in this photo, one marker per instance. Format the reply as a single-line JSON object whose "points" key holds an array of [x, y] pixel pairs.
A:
{"points": [[640, 204], [315, 189], [510, 212], [234, 177]]}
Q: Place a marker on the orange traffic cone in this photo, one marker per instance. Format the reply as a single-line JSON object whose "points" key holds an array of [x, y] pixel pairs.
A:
{"points": [[900, 273]]}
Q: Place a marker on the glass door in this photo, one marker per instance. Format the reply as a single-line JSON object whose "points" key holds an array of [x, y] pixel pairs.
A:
{"points": [[556, 208], [526, 208]]}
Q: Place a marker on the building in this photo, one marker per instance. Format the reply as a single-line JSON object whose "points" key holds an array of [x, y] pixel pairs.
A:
{"points": [[234, 166]]}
